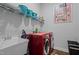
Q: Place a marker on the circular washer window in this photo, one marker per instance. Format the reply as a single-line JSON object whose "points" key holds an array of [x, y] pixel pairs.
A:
{"points": [[46, 47]]}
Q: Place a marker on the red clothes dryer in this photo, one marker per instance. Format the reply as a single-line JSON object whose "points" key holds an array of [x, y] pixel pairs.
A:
{"points": [[39, 43]]}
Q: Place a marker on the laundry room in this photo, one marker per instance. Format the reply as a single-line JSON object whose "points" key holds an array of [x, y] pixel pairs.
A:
{"points": [[39, 29]]}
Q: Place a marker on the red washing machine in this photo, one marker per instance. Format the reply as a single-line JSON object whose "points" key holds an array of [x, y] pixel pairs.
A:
{"points": [[39, 43]]}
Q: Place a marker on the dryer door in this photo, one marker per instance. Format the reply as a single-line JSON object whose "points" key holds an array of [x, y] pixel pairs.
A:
{"points": [[46, 47]]}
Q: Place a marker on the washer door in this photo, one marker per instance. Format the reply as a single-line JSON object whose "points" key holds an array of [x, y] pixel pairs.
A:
{"points": [[46, 47]]}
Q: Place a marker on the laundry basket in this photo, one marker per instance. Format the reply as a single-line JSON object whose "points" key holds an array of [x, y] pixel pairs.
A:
{"points": [[73, 47]]}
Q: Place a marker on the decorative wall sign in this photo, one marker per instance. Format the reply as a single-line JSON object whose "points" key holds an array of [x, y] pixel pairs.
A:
{"points": [[63, 13]]}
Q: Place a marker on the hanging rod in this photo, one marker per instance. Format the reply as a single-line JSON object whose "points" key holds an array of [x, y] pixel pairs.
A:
{"points": [[6, 7]]}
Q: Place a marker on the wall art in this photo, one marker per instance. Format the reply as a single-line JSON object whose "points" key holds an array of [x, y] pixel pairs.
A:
{"points": [[63, 13]]}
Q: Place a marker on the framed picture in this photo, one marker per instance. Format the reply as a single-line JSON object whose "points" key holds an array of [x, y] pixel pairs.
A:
{"points": [[63, 13]]}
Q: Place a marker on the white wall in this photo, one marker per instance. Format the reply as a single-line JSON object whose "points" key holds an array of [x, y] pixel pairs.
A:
{"points": [[62, 32]]}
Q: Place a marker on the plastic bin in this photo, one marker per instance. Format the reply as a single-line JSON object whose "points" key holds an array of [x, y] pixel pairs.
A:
{"points": [[73, 47]]}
